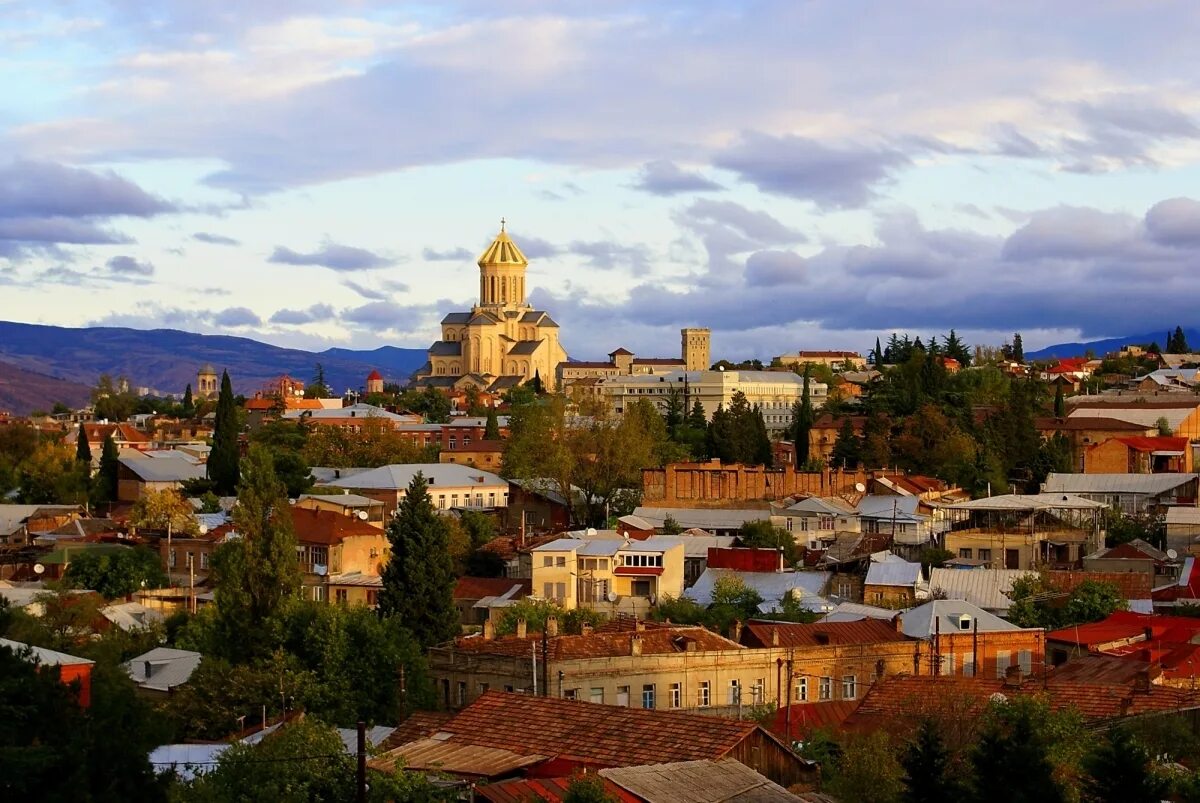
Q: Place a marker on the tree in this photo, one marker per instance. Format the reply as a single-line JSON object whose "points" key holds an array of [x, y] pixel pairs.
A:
{"points": [[929, 772], [287, 440], [418, 581], [732, 600], [535, 384], [867, 771], [1033, 748], [1018, 348], [536, 612], [83, 450], [1177, 342], [763, 534], [671, 526], [492, 431], [259, 571], [104, 488], [956, 349], [847, 450], [188, 407], [374, 443], [225, 455], [318, 388], [802, 421], [877, 354], [738, 434], [1060, 403], [116, 573], [52, 475], [588, 788], [111, 399], [1121, 770], [160, 510]]}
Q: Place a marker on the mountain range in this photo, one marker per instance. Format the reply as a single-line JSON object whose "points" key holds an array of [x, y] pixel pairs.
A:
{"points": [[1102, 347], [165, 361]]}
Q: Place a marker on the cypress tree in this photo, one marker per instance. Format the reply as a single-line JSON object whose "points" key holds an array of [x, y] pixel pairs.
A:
{"points": [[418, 581], [761, 440], [189, 404], [83, 450], [224, 457], [492, 431], [106, 476], [1018, 349], [1060, 404], [802, 421], [877, 357]]}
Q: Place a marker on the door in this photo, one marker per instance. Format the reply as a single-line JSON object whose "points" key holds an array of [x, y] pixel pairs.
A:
{"points": [[1012, 558], [641, 588]]}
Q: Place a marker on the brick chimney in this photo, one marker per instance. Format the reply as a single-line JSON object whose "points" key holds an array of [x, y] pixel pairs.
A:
{"points": [[522, 627], [635, 644], [489, 630], [898, 623], [1142, 681], [551, 626], [774, 636]]}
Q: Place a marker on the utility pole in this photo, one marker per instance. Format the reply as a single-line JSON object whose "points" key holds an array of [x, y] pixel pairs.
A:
{"points": [[361, 795]]}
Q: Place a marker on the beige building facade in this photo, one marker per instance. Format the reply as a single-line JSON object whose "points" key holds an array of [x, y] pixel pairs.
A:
{"points": [[609, 574], [502, 337]]}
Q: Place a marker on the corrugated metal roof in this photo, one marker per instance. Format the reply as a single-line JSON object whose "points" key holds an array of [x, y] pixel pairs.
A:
{"points": [[986, 588], [893, 573], [1183, 515], [722, 519], [856, 611], [168, 668], [771, 586], [1057, 500], [722, 781], [919, 622], [44, 656], [454, 757], [1115, 483], [163, 468], [398, 476]]}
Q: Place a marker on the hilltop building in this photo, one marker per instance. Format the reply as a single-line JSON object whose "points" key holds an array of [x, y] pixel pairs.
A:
{"points": [[502, 341], [208, 383], [694, 351]]}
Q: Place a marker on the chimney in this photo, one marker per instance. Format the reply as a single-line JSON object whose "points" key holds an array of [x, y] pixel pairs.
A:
{"points": [[635, 644], [774, 636], [149, 670], [489, 630], [522, 627], [898, 623], [1141, 681], [735, 632], [551, 626], [639, 625], [1012, 677], [586, 629]]}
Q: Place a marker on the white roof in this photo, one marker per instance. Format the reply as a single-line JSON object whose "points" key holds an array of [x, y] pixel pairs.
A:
{"points": [[131, 615], [1142, 416], [893, 573], [856, 612], [1183, 515], [805, 586], [12, 517], [1026, 502], [636, 522], [186, 760], [44, 656], [716, 519], [345, 500], [166, 467], [353, 411], [875, 506], [1150, 484], [987, 588], [919, 622], [438, 475], [815, 504], [168, 668]]}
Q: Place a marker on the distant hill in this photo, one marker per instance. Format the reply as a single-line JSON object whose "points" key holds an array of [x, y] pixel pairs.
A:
{"points": [[166, 360], [1102, 347], [22, 391]]}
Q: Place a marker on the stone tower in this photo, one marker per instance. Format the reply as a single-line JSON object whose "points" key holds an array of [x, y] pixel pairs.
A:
{"points": [[502, 274], [374, 383], [207, 382], [696, 349]]}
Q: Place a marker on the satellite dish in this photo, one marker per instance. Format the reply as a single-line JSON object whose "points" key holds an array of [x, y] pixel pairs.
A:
{"points": [[858, 486], [39, 568], [320, 570], [362, 515], [1172, 554], [612, 596]]}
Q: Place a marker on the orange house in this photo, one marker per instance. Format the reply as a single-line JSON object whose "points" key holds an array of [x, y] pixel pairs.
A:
{"points": [[71, 668], [1139, 455]]}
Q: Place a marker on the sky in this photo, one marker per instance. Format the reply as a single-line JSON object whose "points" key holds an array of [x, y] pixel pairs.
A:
{"points": [[793, 175]]}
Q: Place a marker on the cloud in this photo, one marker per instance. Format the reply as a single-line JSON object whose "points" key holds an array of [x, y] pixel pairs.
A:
{"points": [[606, 255], [766, 268], [32, 189], [317, 312], [382, 314], [214, 239], [535, 247], [333, 256], [30, 230], [366, 292], [128, 266], [664, 177], [449, 255], [1175, 222], [726, 229], [797, 167], [236, 316], [1068, 232]]}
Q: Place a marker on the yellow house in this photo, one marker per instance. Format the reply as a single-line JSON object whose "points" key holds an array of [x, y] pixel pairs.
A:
{"points": [[603, 570]]}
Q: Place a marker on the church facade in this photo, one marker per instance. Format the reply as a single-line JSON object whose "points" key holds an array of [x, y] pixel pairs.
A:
{"points": [[502, 341]]}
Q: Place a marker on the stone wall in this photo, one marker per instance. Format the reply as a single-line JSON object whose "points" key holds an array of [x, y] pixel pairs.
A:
{"points": [[713, 484]]}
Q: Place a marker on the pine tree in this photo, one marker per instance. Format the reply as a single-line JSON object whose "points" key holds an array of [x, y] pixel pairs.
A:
{"points": [[1121, 770], [83, 450], [763, 454], [105, 489], [224, 457], [1018, 349], [877, 355], [802, 421], [492, 431], [928, 774], [189, 404], [697, 419], [1177, 342], [418, 581], [1060, 403], [847, 450]]}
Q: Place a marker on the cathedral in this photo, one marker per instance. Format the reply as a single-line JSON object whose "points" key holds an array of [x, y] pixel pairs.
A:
{"points": [[502, 341]]}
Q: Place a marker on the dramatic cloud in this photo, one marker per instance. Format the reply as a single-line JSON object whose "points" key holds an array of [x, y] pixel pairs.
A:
{"points": [[1069, 233], [1175, 222], [664, 177], [236, 316], [767, 268], [31, 189], [451, 255], [333, 256], [129, 266], [806, 169], [214, 239], [317, 312]]}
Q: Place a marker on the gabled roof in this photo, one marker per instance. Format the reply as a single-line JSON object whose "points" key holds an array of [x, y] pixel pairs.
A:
{"points": [[469, 588], [162, 469], [327, 527], [1150, 484], [524, 348], [763, 633], [163, 668], [831, 505], [457, 317], [987, 588], [944, 616], [44, 656], [724, 781], [856, 612], [446, 348], [594, 733], [396, 477], [608, 644], [893, 573]]}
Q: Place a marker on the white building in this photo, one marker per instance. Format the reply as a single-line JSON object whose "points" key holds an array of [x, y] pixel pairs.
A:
{"points": [[773, 392]]}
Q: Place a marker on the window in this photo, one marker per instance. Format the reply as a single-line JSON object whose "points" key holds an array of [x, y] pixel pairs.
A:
{"points": [[453, 500], [849, 687], [510, 688], [1003, 661], [318, 593], [641, 559], [596, 695], [735, 692], [453, 442], [648, 695], [1025, 661], [441, 501], [547, 561], [802, 690], [568, 694], [965, 552], [372, 597], [462, 692], [676, 696], [340, 595], [547, 590], [203, 560], [560, 591], [623, 696], [826, 522], [703, 698], [171, 561], [560, 561], [985, 555], [825, 689], [759, 691]]}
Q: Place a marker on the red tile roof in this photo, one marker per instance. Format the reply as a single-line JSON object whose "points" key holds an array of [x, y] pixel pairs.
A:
{"points": [[867, 631], [419, 725], [374, 376], [1128, 626], [480, 587], [550, 790], [1131, 585], [328, 527], [1143, 443], [1087, 423], [804, 718], [613, 644], [603, 735]]}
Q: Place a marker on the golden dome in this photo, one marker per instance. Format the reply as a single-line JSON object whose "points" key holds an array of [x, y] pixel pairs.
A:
{"points": [[502, 251]]}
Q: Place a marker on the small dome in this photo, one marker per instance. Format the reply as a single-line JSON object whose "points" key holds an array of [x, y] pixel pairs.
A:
{"points": [[375, 376], [502, 251], [208, 369]]}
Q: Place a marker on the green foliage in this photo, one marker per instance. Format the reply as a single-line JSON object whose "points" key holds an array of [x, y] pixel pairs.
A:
{"points": [[104, 485], [259, 571], [848, 449], [1121, 528], [112, 400], [930, 772], [680, 611], [934, 557], [739, 434], [116, 573], [1121, 770], [188, 406], [1038, 604], [286, 441], [83, 450], [418, 581], [1036, 750], [670, 526], [52, 475], [1060, 403], [867, 771], [430, 402], [732, 601], [535, 612], [210, 503], [492, 430], [223, 460], [762, 534], [802, 420], [1177, 342], [17, 443], [587, 788]]}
